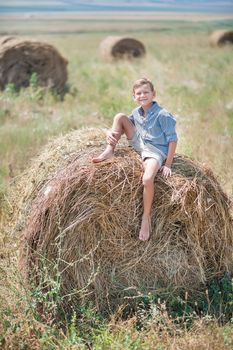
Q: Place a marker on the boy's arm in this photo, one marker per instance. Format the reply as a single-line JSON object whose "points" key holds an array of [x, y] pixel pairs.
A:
{"points": [[171, 152]]}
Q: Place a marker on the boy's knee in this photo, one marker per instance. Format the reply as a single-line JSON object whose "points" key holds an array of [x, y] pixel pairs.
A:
{"points": [[120, 116], [147, 180]]}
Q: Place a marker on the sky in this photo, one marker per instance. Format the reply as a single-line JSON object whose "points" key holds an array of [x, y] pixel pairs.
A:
{"points": [[206, 6]]}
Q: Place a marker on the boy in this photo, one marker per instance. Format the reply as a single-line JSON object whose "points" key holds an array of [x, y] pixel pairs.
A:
{"points": [[151, 132]]}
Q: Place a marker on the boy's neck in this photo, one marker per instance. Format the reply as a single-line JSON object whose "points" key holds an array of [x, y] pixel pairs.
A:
{"points": [[145, 108]]}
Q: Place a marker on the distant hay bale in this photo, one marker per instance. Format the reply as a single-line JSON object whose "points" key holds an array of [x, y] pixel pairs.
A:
{"points": [[115, 47], [21, 57], [5, 39], [221, 37], [83, 219]]}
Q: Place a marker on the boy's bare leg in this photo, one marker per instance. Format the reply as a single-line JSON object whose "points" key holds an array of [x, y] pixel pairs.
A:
{"points": [[151, 167], [121, 125]]}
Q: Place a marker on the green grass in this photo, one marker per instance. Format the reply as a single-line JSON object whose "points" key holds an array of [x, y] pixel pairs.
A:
{"points": [[194, 82]]}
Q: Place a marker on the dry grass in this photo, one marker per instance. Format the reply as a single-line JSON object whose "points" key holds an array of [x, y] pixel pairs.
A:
{"points": [[161, 332]]}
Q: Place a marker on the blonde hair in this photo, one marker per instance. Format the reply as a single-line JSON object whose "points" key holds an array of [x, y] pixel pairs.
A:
{"points": [[143, 81]]}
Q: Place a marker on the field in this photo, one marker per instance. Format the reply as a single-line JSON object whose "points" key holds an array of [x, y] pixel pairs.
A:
{"points": [[194, 82]]}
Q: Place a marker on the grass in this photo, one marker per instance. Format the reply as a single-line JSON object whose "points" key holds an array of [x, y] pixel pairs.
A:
{"points": [[97, 91], [152, 326], [194, 82]]}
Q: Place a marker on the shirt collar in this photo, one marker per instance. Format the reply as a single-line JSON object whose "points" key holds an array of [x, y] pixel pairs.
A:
{"points": [[141, 110]]}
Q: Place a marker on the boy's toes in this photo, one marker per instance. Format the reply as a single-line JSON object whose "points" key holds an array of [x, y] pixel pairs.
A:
{"points": [[144, 236], [96, 160]]}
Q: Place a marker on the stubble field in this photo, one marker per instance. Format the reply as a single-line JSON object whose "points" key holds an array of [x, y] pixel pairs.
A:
{"points": [[194, 82]]}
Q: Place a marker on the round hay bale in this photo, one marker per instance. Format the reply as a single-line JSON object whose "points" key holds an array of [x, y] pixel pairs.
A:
{"points": [[82, 220], [221, 37], [115, 47], [20, 58]]}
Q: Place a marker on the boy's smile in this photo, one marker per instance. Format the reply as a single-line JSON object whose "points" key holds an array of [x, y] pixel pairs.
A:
{"points": [[144, 96]]}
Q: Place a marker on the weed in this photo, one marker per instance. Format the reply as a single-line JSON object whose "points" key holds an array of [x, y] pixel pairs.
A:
{"points": [[11, 90], [214, 303], [33, 82]]}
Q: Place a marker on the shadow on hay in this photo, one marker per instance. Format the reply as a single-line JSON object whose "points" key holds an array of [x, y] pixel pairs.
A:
{"points": [[83, 224]]}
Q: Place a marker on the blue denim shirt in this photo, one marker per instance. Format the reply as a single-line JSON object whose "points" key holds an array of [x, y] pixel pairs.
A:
{"points": [[157, 128]]}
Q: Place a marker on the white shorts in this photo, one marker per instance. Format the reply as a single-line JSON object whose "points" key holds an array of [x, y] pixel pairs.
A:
{"points": [[146, 150]]}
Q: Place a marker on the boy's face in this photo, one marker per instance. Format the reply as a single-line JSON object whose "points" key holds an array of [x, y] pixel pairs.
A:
{"points": [[144, 96]]}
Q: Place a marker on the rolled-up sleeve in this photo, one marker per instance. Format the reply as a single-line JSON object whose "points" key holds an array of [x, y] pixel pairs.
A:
{"points": [[168, 126]]}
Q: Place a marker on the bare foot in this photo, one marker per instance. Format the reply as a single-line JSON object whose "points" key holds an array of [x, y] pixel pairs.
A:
{"points": [[144, 233], [107, 154]]}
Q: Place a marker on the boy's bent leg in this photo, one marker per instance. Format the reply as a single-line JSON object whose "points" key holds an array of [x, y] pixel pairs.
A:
{"points": [[151, 167], [121, 125]]}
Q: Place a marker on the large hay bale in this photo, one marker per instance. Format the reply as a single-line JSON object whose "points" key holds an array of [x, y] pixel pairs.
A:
{"points": [[83, 220], [221, 37], [115, 47], [20, 58]]}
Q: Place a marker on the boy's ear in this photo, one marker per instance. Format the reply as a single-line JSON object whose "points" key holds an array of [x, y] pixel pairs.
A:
{"points": [[154, 94]]}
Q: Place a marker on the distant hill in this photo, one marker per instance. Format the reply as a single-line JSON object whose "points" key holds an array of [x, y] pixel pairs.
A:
{"points": [[206, 6]]}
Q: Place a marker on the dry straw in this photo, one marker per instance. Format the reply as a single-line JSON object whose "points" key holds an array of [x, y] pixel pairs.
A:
{"points": [[221, 37], [83, 220], [115, 47], [20, 58]]}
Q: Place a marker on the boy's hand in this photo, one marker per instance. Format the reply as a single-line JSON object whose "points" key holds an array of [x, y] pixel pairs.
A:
{"points": [[166, 170], [112, 138]]}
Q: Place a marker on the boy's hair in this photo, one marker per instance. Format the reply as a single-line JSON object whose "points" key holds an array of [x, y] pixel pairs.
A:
{"points": [[143, 81]]}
